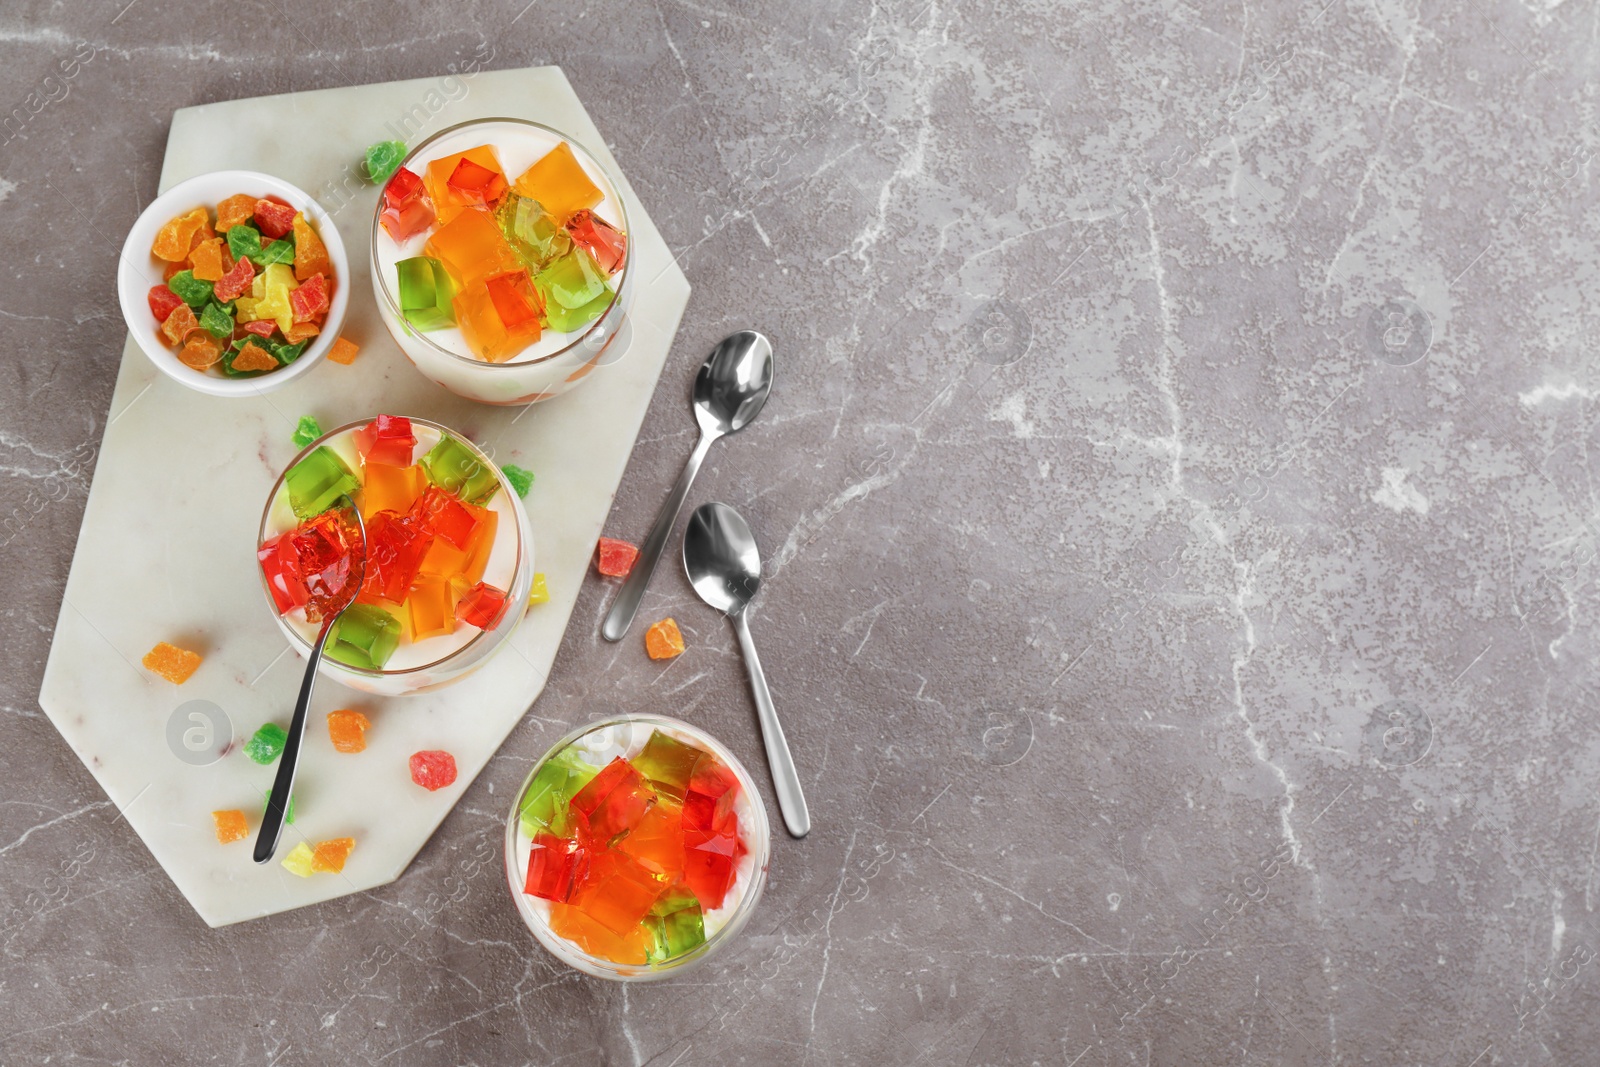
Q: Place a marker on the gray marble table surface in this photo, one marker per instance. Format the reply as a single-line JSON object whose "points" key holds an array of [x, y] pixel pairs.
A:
{"points": [[1179, 507]]}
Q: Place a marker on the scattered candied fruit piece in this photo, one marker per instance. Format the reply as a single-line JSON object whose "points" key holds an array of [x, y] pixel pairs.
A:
{"points": [[231, 826], [521, 478], [307, 430], [348, 730], [329, 856], [266, 744], [614, 558], [539, 593], [663, 640], [171, 662], [299, 860], [343, 351], [382, 160], [433, 770]]}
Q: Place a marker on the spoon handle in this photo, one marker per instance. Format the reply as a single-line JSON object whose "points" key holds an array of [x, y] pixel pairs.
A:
{"points": [[283, 784], [785, 779], [620, 617]]}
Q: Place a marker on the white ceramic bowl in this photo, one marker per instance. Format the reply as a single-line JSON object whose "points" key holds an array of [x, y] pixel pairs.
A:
{"points": [[139, 271]]}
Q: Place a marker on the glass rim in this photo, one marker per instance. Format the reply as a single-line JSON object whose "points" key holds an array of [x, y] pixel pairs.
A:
{"points": [[266, 513], [381, 282]]}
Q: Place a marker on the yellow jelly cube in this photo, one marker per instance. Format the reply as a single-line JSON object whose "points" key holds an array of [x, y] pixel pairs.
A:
{"points": [[298, 861], [433, 608], [472, 248], [559, 182], [390, 489], [539, 593], [436, 179]]}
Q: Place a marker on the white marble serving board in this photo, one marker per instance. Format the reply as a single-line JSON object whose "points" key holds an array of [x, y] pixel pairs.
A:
{"points": [[166, 551]]}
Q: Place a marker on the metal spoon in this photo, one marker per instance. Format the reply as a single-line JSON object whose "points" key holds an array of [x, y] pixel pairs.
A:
{"points": [[724, 566], [729, 391], [283, 784]]}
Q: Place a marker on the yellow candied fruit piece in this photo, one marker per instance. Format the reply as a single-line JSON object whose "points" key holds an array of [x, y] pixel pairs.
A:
{"points": [[299, 860]]}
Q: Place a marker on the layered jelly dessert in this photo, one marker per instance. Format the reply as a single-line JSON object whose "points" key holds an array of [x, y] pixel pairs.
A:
{"points": [[245, 289], [636, 846], [445, 562]]}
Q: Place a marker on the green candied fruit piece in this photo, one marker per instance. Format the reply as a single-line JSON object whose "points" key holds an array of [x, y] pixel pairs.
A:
{"points": [[533, 233], [452, 465], [572, 281], [317, 482], [244, 242], [521, 478], [307, 430], [191, 290], [426, 290], [286, 353], [217, 321], [266, 799], [383, 159], [365, 636], [667, 762], [567, 320], [266, 744], [544, 806], [676, 926], [279, 251]]}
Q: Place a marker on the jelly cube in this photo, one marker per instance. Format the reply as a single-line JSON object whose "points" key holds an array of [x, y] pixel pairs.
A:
{"points": [[325, 549], [452, 465], [591, 937], [472, 183], [288, 812], [201, 351], [710, 863], [445, 200], [484, 331], [515, 300], [426, 291], [614, 801], [545, 804], [572, 281], [163, 301], [395, 550], [317, 482], [521, 478], [274, 219], [216, 321], [310, 254], [383, 159], [342, 351], [390, 489], [387, 440], [615, 891], [464, 565], [664, 640], [179, 323], [433, 770], [559, 182], [175, 239], [299, 859], [308, 429], [171, 662], [231, 826], [657, 842], [552, 861], [534, 233], [607, 244], [472, 248], [348, 730], [330, 856], [244, 242], [235, 282], [444, 515], [281, 567], [667, 762], [207, 261], [365, 637], [481, 606], [309, 300], [406, 208], [432, 607], [614, 558], [708, 799], [266, 744], [676, 924], [539, 592], [234, 210], [569, 320], [250, 357]]}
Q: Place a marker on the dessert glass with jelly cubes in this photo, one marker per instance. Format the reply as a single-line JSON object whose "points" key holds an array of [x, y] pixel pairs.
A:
{"points": [[500, 261], [449, 553], [636, 848]]}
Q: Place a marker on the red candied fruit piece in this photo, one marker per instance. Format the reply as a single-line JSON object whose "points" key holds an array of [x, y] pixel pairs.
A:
{"points": [[481, 606], [387, 440], [274, 218], [260, 327], [433, 770], [708, 799], [395, 550], [163, 301], [477, 184], [235, 282], [614, 800], [614, 558], [309, 299], [281, 568], [442, 514], [406, 210], [553, 865]]}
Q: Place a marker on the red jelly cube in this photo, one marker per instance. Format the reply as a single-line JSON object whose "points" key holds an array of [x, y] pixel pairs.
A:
{"points": [[395, 550], [274, 218], [406, 210], [515, 300], [163, 302], [481, 606], [281, 568], [708, 798], [614, 800], [433, 770], [710, 862], [607, 244], [309, 299], [235, 282], [614, 558], [473, 183], [260, 327], [616, 891], [387, 440], [552, 863], [325, 552], [441, 513]]}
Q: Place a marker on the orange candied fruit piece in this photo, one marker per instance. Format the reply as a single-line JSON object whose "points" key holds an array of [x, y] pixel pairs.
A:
{"points": [[206, 260], [175, 239], [436, 179], [559, 182], [310, 254], [348, 730], [343, 351], [231, 826], [299, 331], [663, 640], [200, 351], [241, 207], [253, 357], [179, 323], [329, 856], [171, 662]]}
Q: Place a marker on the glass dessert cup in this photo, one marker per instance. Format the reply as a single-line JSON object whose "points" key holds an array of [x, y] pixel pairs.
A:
{"points": [[625, 735], [416, 666], [557, 361]]}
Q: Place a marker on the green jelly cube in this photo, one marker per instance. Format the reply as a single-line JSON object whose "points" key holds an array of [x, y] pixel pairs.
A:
{"points": [[573, 281], [317, 482], [288, 815], [567, 320], [676, 926], [244, 241], [191, 290], [365, 636], [279, 251], [216, 321], [533, 233], [383, 159], [544, 806], [306, 431], [286, 354], [521, 478], [426, 290], [667, 762], [266, 744], [452, 465]]}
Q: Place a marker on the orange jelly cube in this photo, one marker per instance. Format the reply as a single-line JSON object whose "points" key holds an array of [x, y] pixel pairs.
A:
{"points": [[616, 891], [571, 923], [390, 489], [171, 662], [329, 856], [348, 730], [559, 182], [483, 328], [472, 248], [231, 826], [515, 300], [447, 204], [657, 842], [432, 604], [446, 561]]}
